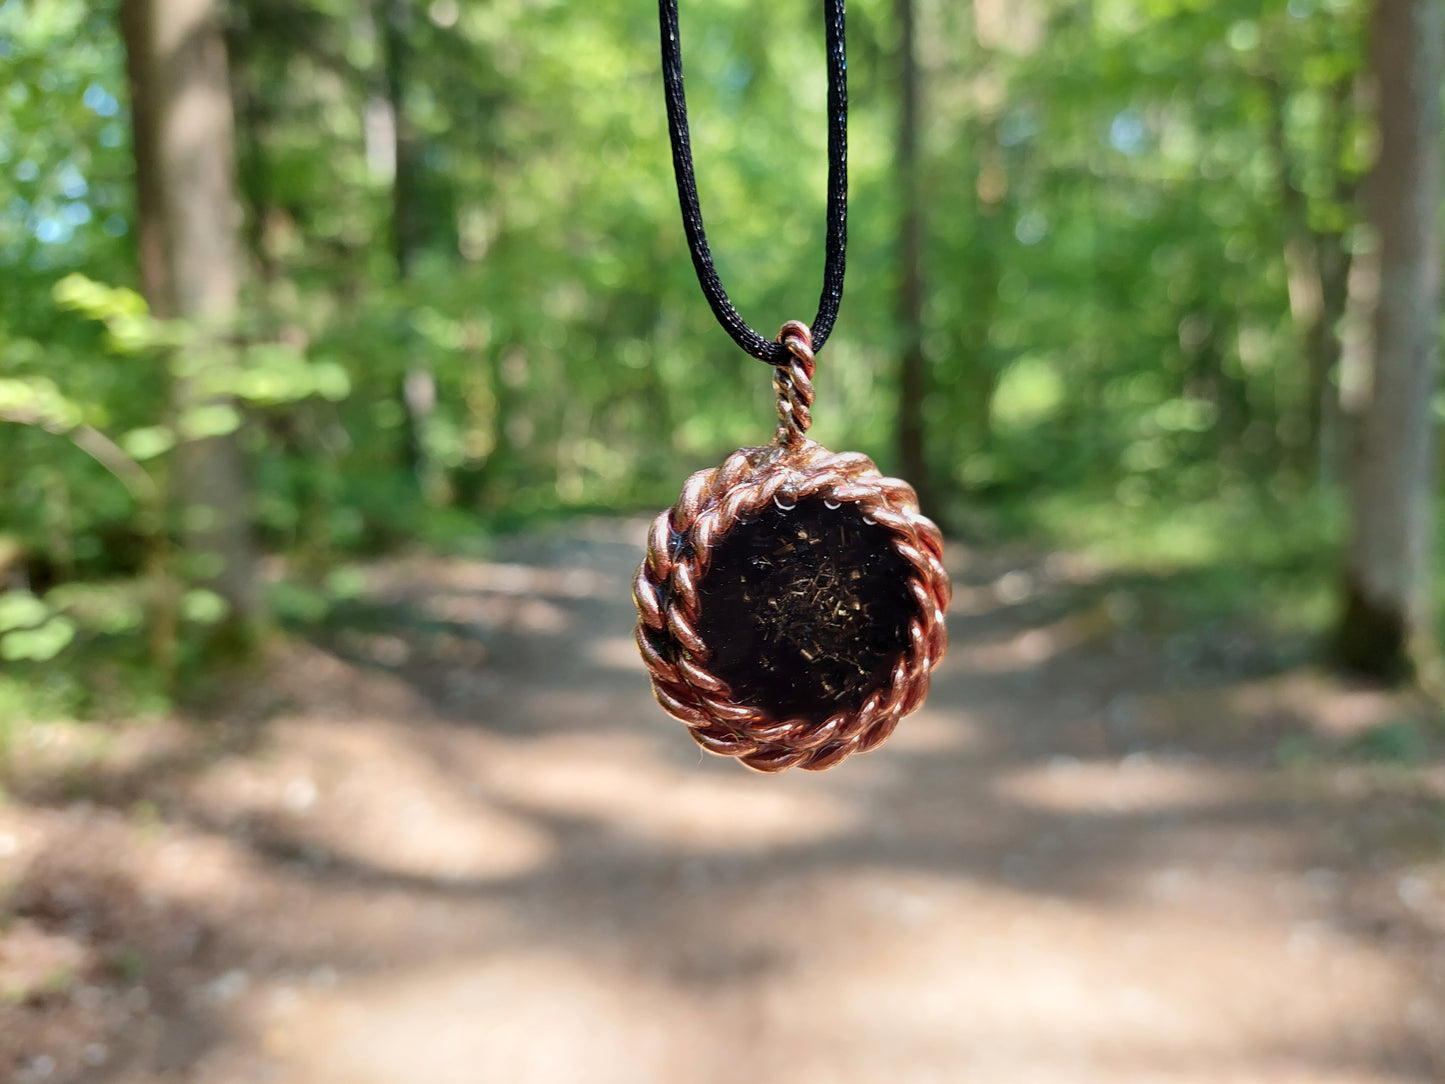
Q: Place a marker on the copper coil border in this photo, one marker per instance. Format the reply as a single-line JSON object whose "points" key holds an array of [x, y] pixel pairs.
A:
{"points": [[679, 552]]}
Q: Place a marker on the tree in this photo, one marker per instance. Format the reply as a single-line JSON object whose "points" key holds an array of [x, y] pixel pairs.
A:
{"points": [[1390, 492], [913, 365], [183, 135], [418, 385]]}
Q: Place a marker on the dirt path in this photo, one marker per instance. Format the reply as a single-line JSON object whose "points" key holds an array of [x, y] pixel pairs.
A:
{"points": [[456, 842]]}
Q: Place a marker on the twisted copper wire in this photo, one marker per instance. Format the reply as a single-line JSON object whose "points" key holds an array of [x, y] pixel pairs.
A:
{"points": [[793, 383], [679, 553]]}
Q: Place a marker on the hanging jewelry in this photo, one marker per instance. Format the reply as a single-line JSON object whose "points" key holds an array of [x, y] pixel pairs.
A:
{"points": [[791, 604]]}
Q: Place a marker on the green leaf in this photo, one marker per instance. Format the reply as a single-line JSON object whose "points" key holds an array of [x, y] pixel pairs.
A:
{"points": [[210, 420], [37, 401], [39, 644], [21, 609], [97, 300], [203, 606], [330, 381], [148, 442]]}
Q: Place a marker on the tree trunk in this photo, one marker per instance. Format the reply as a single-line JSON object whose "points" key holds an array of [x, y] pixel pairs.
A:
{"points": [[1323, 350], [913, 374], [1386, 580], [184, 150], [989, 200], [136, 18], [418, 383]]}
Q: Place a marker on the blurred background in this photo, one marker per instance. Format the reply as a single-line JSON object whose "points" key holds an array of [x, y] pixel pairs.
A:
{"points": [[345, 350]]}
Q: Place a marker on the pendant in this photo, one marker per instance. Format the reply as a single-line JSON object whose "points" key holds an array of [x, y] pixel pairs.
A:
{"points": [[790, 606]]}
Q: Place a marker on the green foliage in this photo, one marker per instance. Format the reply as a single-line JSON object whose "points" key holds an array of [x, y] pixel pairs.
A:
{"points": [[1111, 191], [30, 630]]}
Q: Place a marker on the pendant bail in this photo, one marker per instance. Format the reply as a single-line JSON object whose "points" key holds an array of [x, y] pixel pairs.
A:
{"points": [[793, 381]]}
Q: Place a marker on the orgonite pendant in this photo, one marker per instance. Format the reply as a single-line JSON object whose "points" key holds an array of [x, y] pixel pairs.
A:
{"points": [[791, 603]]}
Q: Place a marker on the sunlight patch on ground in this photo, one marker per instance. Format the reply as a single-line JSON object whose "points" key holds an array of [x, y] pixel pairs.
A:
{"points": [[616, 653], [1135, 784], [35, 963], [517, 1017], [498, 611], [935, 730], [619, 782], [497, 578], [629, 531], [320, 793]]}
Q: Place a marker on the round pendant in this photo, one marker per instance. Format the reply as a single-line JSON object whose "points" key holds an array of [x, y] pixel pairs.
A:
{"points": [[790, 607]]}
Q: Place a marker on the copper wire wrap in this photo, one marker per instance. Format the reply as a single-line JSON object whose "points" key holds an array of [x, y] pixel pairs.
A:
{"points": [[794, 383], [680, 545]]}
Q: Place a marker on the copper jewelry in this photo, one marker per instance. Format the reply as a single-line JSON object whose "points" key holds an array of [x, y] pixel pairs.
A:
{"points": [[790, 607], [838, 660]]}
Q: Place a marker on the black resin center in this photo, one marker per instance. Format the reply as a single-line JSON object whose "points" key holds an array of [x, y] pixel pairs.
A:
{"points": [[806, 610]]}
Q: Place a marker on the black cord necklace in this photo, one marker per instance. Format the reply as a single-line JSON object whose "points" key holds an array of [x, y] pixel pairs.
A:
{"points": [[773, 352], [790, 607]]}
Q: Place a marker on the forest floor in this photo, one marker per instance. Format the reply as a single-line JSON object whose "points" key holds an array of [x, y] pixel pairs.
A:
{"points": [[452, 839]]}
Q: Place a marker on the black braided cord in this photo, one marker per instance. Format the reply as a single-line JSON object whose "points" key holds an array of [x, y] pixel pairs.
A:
{"points": [[760, 346]]}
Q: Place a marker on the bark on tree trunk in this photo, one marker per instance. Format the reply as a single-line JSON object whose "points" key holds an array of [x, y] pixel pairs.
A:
{"points": [[1386, 579], [162, 608], [184, 148], [1323, 350], [136, 18], [913, 374], [989, 200], [418, 383]]}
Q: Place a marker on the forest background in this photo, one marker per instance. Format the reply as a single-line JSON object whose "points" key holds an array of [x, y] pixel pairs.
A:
{"points": [[1110, 285]]}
